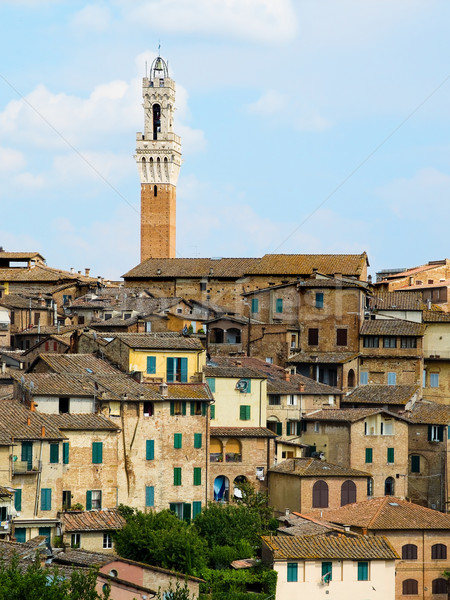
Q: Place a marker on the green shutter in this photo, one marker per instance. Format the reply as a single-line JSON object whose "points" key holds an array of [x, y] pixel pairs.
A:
{"points": [[151, 365], [18, 500], [172, 408], [97, 453], [184, 369], [327, 571], [212, 411], [46, 499], [65, 453], [177, 476], [197, 440], [415, 464], [89, 500], [288, 428], [390, 455], [197, 476], [173, 507], [192, 408], [196, 509], [186, 512], [369, 455], [177, 440], [150, 449], [211, 381], [170, 369], [279, 305], [183, 408], [440, 433], [27, 454], [279, 429], [255, 305], [149, 495], [54, 453], [292, 572], [249, 386], [20, 533], [363, 571], [244, 412], [204, 409]]}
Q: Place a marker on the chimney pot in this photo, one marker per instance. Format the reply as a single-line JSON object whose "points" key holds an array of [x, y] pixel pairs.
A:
{"points": [[28, 421], [87, 271], [287, 376], [43, 431], [164, 389], [301, 387]]}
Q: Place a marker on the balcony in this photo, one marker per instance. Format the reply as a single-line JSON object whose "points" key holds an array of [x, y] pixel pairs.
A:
{"points": [[215, 457], [23, 467], [233, 457]]}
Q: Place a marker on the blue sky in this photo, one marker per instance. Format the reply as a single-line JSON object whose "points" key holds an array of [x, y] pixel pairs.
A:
{"points": [[278, 101]]}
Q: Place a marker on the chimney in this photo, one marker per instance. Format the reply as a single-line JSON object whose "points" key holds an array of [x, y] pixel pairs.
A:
{"points": [[301, 387], [338, 275], [3, 368], [164, 389], [43, 431], [287, 512], [72, 270], [411, 281], [32, 407], [28, 421], [87, 271], [287, 376]]}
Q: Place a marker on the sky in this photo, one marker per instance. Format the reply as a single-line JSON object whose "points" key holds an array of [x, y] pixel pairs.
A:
{"points": [[307, 126]]}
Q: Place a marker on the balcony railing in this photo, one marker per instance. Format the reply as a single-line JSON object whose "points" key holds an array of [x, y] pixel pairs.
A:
{"points": [[233, 457], [23, 467]]}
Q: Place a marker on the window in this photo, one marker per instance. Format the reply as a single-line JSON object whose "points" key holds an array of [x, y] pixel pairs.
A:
{"points": [[80, 319], [274, 400], [211, 381], [434, 380], [66, 499], [292, 400], [46, 499], [410, 587], [269, 360], [389, 486], [293, 340], [363, 378], [197, 476], [439, 552], [363, 570], [279, 428], [197, 440], [18, 500], [392, 378], [327, 572], [390, 455], [177, 476], [20, 533], [54, 453], [369, 455], [177, 440], [371, 341], [292, 572], [64, 405], [150, 449], [93, 500], [244, 412], [255, 305], [369, 487], [320, 494], [37, 318], [198, 408], [203, 286], [341, 337], [151, 365], [279, 305], [348, 492], [389, 341], [313, 336], [415, 463], [107, 541], [316, 427], [149, 496], [439, 586], [212, 411], [12, 316], [97, 453], [108, 316], [319, 299], [409, 552], [177, 408], [177, 369], [435, 433], [148, 409], [75, 540], [196, 509], [408, 342]]}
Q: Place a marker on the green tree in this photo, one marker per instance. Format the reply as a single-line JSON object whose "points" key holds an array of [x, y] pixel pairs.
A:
{"points": [[180, 592]]}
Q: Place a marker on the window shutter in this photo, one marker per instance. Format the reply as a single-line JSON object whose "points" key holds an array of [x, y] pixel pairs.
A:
{"points": [[430, 430], [172, 408], [319, 300], [440, 433], [415, 464], [197, 476], [279, 305], [150, 449], [369, 455], [292, 572], [149, 495], [65, 453], [255, 304], [211, 381], [279, 429], [213, 411], [97, 453], [54, 453], [197, 440], [170, 369], [363, 571], [249, 386], [192, 408], [151, 365], [313, 336], [288, 428], [187, 512], [204, 409], [173, 507], [341, 337], [177, 440], [196, 509], [89, 500], [364, 378], [183, 408], [327, 571], [18, 500], [46, 499], [177, 476], [390, 455], [244, 412], [184, 370]]}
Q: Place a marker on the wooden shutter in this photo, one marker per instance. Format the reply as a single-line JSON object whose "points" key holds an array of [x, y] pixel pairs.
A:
{"points": [[348, 492], [279, 305], [46, 499], [390, 455], [197, 476], [279, 429], [211, 381], [172, 408], [415, 464], [170, 369], [320, 494], [313, 336], [410, 587], [177, 476], [341, 337], [183, 408], [327, 571], [255, 305], [292, 572], [197, 440], [149, 495], [409, 552], [184, 370], [196, 509], [27, 454], [151, 365], [186, 512], [97, 453], [212, 411], [177, 440], [89, 500], [150, 449], [288, 428], [363, 571], [54, 453], [65, 453], [18, 500], [369, 455]]}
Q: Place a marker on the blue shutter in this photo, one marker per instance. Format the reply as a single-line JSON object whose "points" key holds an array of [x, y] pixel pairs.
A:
{"points": [[211, 381], [89, 500], [65, 453], [150, 449], [279, 305], [149, 495], [255, 305], [151, 365], [327, 571], [364, 378], [97, 453], [46, 499], [363, 571], [292, 572], [319, 300], [184, 369], [212, 412], [170, 369], [196, 509], [20, 533], [54, 453], [18, 500], [392, 378]]}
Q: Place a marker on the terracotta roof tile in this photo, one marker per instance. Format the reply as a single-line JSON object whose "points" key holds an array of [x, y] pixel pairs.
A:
{"points": [[313, 467], [72, 364], [334, 546], [306, 264], [232, 372], [428, 412], [93, 520], [14, 424], [250, 432], [392, 327], [351, 415], [81, 422], [184, 391], [381, 394], [21, 255], [397, 301], [164, 341], [434, 316], [191, 267]]}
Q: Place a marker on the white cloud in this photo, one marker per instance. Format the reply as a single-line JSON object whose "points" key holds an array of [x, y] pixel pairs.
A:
{"points": [[269, 103], [92, 17], [11, 160], [29, 181], [312, 121]]}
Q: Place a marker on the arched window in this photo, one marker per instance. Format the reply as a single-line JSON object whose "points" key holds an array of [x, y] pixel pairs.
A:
{"points": [[156, 120], [409, 552], [351, 378], [221, 488], [439, 586], [155, 190], [233, 336], [215, 450], [237, 480], [320, 494], [369, 486], [410, 587], [348, 492], [216, 336], [144, 168], [439, 551], [389, 486], [233, 452]]}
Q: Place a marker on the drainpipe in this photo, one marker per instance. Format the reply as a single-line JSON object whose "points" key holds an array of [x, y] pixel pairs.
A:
{"points": [[38, 482], [260, 402]]}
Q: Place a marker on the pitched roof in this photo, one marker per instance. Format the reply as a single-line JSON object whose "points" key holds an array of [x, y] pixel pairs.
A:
{"points": [[169, 340], [323, 357], [93, 520], [249, 432], [306, 264], [313, 467], [85, 558], [191, 267], [75, 364], [330, 545], [427, 412], [19, 423], [381, 394], [397, 301], [232, 372], [184, 391], [435, 316], [81, 422], [387, 512], [21, 255], [392, 327], [349, 415]]}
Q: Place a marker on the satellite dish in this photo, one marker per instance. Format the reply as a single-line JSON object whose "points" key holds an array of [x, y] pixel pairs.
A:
{"points": [[242, 385]]}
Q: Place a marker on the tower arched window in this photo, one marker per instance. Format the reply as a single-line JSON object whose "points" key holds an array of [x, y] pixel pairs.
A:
{"points": [[348, 492], [156, 121], [155, 190], [320, 494], [389, 486]]}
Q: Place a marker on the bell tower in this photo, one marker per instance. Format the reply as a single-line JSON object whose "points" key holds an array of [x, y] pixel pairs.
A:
{"points": [[158, 157]]}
